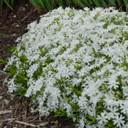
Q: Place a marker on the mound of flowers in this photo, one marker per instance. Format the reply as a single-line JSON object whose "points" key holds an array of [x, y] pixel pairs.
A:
{"points": [[74, 63]]}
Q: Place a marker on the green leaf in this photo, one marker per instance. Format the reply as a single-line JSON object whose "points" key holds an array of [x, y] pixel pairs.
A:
{"points": [[12, 2], [60, 113], [125, 2], [51, 3], [79, 3], [127, 8], [36, 4], [33, 98], [97, 3], [47, 5], [68, 2], [42, 4], [91, 117], [103, 3], [7, 3], [86, 3], [59, 2], [75, 90], [112, 2], [1, 3], [3, 61], [22, 91], [125, 63], [91, 2], [119, 2], [74, 106], [94, 52]]}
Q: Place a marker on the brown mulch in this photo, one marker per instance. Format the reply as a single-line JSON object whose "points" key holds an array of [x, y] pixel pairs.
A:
{"points": [[15, 110]]}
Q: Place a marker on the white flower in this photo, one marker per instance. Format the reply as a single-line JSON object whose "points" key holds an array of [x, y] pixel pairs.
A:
{"points": [[32, 69], [12, 85], [112, 82], [82, 123], [113, 111], [102, 119], [124, 107], [119, 121]]}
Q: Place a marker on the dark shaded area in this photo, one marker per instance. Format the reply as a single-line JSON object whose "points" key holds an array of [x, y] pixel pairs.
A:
{"points": [[13, 24]]}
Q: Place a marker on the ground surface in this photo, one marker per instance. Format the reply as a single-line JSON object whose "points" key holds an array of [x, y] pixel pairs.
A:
{"points": [[14, 109]]}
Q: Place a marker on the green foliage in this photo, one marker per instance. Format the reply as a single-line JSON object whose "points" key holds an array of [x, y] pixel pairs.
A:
{"points": [[51, 4], [9, 3], [3, 61], [43, 4], [60, 113]]}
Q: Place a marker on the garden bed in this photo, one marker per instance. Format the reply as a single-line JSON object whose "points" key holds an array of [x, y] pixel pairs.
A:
{"points": [[14, 109]]}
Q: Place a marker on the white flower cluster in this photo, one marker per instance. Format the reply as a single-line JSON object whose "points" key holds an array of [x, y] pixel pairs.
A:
{"points": [[75, 62]]}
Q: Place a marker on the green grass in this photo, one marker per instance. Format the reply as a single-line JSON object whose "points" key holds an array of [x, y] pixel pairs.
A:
{"points": [[9, 3], [51, 4], [2, 34]]}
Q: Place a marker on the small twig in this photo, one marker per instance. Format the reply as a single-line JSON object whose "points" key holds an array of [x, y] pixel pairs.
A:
{"points": [[10, 29], [42, 124], [5, 112], [28, 15], [10, 119], [24, 123], [120, 7], [9, 36], [25, 18], [5, 80], [3, 73]]}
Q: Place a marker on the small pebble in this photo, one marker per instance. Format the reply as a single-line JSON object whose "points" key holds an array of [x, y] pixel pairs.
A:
{"points": [[14, 16], [21, 9], [6, 101]]}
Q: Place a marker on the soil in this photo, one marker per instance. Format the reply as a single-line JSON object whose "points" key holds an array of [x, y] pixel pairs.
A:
{"points": [[15, 110]]}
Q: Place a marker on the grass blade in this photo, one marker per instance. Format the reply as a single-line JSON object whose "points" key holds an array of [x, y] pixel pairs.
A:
{"points": [[79, 3], [1, 3], [119, 2], [47, 5], [97, 3], [59, 2], [126, 2], [68, 2], [90, 1], [103, 3], [112, 2], [86, 3], [7, 3], [41, 3], [35, 3], [11, 2], [51, 3]]}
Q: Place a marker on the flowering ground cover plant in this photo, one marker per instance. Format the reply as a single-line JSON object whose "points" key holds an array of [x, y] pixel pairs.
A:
{"points": [[74, 63]]}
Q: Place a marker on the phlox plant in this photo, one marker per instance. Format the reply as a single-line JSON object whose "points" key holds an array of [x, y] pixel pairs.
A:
{"points": [[74, 63]]}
